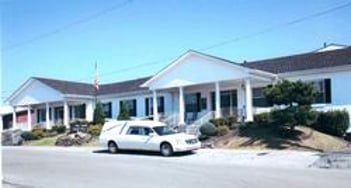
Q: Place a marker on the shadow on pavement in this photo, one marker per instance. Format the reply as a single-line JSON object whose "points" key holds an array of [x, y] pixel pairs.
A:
{"points": [[148, 153]]}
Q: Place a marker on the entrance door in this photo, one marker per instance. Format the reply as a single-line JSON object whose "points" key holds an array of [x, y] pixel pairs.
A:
{"points": [[229, 102], [192, 106]]}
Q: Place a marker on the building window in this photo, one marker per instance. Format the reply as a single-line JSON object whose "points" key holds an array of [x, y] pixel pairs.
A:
{"points": [[203, 104], [228, 99], [107, 108], [193, 102], [41, 115], [58, 113], [258, 97], [79, 111], [149, 105], [131, 105], [323, 87]]}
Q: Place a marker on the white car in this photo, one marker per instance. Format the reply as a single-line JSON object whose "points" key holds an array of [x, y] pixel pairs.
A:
{"points": [[145, 135]]}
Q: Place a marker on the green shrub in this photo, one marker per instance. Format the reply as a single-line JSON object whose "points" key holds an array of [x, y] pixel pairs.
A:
{"points": [[263, 119], [208, 129], [59, 129], [218, 121], [28, 135], [227, 121], [38, 133], [222, 130], [94, 130], [333, 122], [232, 121]]}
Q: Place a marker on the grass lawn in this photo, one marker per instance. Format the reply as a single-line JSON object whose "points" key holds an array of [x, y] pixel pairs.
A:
{"points": [[47, 141], [303, 138], [50, 141]]}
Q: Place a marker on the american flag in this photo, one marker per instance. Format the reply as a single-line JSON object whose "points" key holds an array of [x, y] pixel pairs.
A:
{"points": [[96, 78]]}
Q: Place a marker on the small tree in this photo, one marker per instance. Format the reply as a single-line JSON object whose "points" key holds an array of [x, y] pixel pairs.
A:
{"points": [[99, 114], [297, 98], [123, 113]]}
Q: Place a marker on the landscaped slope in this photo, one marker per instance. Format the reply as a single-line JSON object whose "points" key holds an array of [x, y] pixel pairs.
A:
{"points": [[265, 138]]}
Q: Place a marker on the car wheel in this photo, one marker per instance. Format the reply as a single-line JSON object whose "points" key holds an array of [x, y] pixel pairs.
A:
{"points": [[112, 147], [166, 149]]}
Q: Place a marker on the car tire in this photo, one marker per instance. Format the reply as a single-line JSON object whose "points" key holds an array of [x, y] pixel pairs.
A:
{"points": [[112, 147], [166, 149]]}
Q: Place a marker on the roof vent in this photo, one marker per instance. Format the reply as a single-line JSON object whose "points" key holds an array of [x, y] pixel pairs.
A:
{"points": [[330, 47]]}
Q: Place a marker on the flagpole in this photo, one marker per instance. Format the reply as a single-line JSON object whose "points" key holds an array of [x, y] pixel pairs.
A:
{"points": [[96, 84]]}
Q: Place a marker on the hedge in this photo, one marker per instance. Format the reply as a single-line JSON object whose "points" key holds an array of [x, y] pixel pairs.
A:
{"points": [[333, 122]]}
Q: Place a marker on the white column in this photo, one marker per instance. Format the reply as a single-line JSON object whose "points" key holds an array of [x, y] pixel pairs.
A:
{"points": [[65, 114], [89, 111], [154, 105], [47, 116], [181, 106], [241, 102], [73, 112], [52, 115], [14, 118], [29, 118], [248, 100], [218, 101]]}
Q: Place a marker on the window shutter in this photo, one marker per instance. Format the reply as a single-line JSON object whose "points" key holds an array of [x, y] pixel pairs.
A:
{"points": [[198, 102], [162, 105], [213, 101], [134, 107], [110, 109], [120, 106], [327, 87], [38, 116], [146, 106]]}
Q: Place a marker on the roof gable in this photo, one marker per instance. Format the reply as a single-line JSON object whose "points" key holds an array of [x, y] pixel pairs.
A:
{"points": [[196, 68], [34, 92]]}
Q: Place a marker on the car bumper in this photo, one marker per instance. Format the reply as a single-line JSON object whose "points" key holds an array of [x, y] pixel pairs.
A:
{"points": [[182, 148]]}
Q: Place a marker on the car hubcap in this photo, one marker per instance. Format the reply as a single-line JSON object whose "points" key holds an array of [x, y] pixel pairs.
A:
{"points": [[166, 150], [112, 148]]}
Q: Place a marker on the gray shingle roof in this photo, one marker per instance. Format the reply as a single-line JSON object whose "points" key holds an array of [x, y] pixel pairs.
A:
{"points": [[79, 88], [301, 62], [292, 63], [68, 87], [123, 87]]}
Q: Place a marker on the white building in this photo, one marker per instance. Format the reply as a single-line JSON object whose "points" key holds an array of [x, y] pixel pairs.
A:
{"points": [[191, 89]]}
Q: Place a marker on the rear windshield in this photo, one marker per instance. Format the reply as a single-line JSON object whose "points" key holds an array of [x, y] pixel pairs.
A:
{"points": [[163, 130]]}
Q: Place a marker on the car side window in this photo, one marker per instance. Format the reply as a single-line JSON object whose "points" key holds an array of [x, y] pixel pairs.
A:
{"points": [[147, 131], [133, 131]]}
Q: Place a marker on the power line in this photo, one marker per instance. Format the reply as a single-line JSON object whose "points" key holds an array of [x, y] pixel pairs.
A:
{"points": [[69, 25], [264, 31], [277, 27], [131, 68]]}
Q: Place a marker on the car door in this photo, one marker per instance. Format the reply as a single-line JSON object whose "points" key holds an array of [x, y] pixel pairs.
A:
{"points": [[136, 138], [150, 140]]}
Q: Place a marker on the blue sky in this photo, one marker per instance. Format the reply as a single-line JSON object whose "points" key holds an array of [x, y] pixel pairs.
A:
{"points": [[143, 32]]}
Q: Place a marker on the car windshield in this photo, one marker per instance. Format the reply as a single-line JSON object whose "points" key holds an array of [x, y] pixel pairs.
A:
{"points": [[164, 130]]}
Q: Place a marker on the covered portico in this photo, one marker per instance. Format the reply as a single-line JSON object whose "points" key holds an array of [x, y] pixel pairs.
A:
{"points": [[47, 106], [195, 71]]}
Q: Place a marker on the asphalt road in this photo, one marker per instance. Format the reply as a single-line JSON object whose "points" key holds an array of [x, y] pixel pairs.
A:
{"points": [[27, 168]]}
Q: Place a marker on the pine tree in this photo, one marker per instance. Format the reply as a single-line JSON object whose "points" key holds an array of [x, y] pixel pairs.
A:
{"points": [[99, 115], [123, 113]]}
